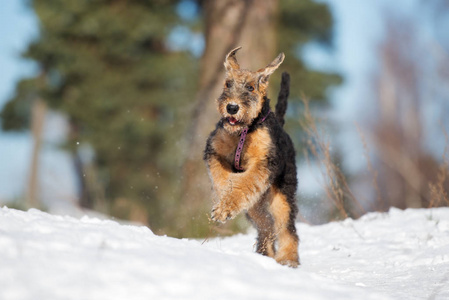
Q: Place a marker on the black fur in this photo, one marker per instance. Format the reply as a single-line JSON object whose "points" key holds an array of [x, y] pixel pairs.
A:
{"points": [[281, 106]]}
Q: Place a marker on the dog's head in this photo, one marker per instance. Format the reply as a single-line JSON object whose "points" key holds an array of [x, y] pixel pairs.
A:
{"points": [[244, 92]]}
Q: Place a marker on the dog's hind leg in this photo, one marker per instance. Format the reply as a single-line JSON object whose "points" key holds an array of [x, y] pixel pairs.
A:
{"points": [[284, 214], [261, 218]]}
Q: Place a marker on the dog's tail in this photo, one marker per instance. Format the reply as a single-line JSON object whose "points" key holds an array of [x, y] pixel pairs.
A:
{"points": [[281, 106]]}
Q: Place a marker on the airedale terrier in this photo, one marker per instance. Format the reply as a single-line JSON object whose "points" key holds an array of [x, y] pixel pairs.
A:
{"points": [[251, 160]]}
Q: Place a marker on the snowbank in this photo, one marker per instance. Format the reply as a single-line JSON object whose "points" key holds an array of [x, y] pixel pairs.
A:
{"points": [[399, 255]]}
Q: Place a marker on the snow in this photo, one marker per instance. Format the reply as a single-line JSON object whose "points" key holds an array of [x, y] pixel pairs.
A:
{"points": [[395, 255]]}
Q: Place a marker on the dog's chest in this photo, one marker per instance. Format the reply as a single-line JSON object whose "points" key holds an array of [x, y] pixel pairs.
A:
{"points": [[225, 145], [255, 147]]}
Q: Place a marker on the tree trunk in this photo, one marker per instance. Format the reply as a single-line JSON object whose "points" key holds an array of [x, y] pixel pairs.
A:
{"points": [[38, 112], [85, 198], [228, 23], [91, 192]]}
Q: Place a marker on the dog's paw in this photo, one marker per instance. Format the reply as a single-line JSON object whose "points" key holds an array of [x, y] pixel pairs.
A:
{"points": [[288, 259], [289, 263], [222, 212]]}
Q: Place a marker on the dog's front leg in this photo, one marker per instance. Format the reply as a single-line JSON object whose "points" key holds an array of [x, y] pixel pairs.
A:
{"points": [[241, 191], [219, 172]]}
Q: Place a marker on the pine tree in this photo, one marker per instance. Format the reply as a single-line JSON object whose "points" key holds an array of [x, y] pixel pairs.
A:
{"points": [[107, 67]]}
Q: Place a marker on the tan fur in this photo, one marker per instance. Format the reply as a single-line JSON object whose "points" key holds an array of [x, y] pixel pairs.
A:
{"points": [[287, 253], [224, 144]]}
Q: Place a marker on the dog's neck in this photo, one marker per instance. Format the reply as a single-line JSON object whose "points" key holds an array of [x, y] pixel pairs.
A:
{"points": [[260, 119], [263, 113]]}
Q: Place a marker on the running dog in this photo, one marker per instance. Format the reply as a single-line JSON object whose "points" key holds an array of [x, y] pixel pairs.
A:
{"points": [[251, 160]]}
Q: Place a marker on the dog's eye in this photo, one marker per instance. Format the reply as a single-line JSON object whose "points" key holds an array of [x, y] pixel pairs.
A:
{"points": [[250, 88], [228, 84]]}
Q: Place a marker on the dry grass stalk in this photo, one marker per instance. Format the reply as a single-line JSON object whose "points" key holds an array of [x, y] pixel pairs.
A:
{"points": [[335, 186], [438, 193], [379, 203]]}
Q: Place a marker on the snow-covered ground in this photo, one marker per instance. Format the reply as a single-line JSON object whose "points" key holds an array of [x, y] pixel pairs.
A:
{"points": [[398, 255]]}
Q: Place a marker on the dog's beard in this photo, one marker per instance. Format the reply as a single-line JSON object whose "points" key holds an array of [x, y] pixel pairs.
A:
{"points": [[233, 124]]}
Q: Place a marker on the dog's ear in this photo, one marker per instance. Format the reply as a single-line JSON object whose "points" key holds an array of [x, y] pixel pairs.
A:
{"points": [[265, 73], [231, 62]]}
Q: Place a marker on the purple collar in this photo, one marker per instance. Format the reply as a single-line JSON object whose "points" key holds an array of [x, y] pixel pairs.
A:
{"points": [[238, 152]]}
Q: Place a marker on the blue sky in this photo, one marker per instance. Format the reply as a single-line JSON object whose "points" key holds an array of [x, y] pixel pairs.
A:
{"points": [[358, 26], [18, 26]]}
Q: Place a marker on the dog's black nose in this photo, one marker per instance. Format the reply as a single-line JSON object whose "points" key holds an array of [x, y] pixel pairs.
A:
{"points": [[232, 109]]}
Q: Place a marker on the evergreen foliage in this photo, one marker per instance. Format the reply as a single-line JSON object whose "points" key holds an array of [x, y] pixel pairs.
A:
{"points": [[106, 66]]}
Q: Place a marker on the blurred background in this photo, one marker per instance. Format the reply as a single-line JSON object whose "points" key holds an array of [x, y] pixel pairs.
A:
{"points": [[105, 105]]}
